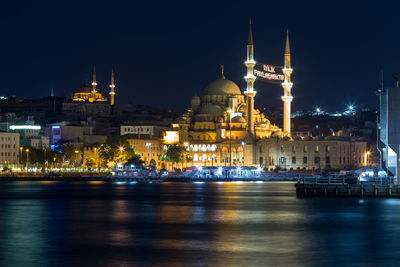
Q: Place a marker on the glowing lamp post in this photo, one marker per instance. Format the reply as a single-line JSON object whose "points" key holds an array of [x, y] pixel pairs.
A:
{"points": [[243, 144], [20, 154], [27, 157], [148, 145], [76, 157], [230, 112]]}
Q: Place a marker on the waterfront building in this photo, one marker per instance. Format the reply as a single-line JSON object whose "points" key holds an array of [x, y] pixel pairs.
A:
{"points": [[308, 153], [152, 151], [143, 131], [9, 148], [31, 135], [389, 130], [79, 133]]}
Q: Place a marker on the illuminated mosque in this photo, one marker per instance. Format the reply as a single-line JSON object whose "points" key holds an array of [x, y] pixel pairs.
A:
{"points": [[88, 101], [90, 94], [222, 128], [224, 119]]}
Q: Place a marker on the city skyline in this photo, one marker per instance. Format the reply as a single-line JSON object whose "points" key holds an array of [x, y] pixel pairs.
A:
{"points": [[164, 57]]}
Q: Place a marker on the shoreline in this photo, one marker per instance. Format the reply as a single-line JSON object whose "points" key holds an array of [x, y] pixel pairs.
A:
{"points": [[143, 180]]}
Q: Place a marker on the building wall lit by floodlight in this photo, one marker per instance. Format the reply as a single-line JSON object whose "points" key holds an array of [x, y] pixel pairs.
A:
{"points": [[389, 130]]}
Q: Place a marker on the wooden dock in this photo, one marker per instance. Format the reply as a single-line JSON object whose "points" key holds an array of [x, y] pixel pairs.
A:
{"points": [[347, 190]]}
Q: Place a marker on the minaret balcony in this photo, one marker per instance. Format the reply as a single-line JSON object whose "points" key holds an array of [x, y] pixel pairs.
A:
{"points": [[287, 98], [250, 62], [287, 71], [250, 91], [250, 77]]}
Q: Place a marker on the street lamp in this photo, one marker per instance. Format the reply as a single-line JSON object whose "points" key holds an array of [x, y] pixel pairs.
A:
{"points": [[20, 154], [148, 145], [243, 144], [76, 156], [27, 157], [230, 137]]}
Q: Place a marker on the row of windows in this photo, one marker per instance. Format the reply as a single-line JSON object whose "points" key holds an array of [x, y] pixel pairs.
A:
{"points": [[305, 149], [282, 160], [5, 154], [7, 138], [8, 162], [128, 129], [7, 146]]}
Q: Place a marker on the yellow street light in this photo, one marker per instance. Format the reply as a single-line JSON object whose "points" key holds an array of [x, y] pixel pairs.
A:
{"points": [[27, 157], [20, 154]]}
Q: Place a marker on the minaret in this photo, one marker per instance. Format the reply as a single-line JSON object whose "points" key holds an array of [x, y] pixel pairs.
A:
{"points": [[94, 85], [112, 86], [250, 140], [287, 86], [250, 79]]}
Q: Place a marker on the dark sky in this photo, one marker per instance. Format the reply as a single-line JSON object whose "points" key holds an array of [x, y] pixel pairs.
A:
{"points": [[163, 52]]}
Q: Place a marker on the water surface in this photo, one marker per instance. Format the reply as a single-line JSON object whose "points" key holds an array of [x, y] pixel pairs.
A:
{"points": [[191, 224]]}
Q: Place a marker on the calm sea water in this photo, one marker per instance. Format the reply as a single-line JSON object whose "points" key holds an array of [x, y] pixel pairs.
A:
{"points": [[191, 224]]}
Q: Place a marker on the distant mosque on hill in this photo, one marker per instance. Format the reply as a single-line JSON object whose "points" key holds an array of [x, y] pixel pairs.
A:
{"points": [[88, 101]]}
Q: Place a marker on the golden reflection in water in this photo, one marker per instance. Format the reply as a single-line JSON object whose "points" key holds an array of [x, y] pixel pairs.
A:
{"points": [[96, 182], [120, 236]]}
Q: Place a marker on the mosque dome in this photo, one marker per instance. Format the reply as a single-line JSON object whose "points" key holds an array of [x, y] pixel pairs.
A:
{"points": [[238, 119], [211, 109], [222, 87]]}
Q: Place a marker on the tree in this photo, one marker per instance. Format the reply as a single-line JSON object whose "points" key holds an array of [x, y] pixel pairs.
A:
{"points": [[90, 162], [177, 154], [118, 150], [135, 160], [38, 156], [70, 153]]}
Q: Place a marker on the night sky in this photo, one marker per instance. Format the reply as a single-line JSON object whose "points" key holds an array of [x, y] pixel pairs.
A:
{"points": [[164, 52]]}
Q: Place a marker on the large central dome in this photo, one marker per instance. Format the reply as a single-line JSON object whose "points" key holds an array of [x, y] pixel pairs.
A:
{"points": [[222, 87]]}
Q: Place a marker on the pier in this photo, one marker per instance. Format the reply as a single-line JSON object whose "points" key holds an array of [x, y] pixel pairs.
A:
{"points": [[346, 190]]}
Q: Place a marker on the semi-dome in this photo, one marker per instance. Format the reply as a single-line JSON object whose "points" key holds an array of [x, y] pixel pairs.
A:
{"points": [[238, 119], [222, 87], [211, 110]]}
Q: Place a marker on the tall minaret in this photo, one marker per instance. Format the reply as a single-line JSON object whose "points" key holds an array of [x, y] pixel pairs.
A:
{"points": [[250, 79], [287, 86], [112, 86], [250, 140]]}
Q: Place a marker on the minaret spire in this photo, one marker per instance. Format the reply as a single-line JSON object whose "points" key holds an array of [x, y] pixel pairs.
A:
{"points": [[250, 39], [112, 86], [287, 51], [287, 87], [250, 94], [52, 92]]}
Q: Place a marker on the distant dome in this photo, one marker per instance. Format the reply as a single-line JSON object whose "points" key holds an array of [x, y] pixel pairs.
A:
{"points": [[195, 100], [238, 119], [84, 89], [222, 87], [211, 110]]}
